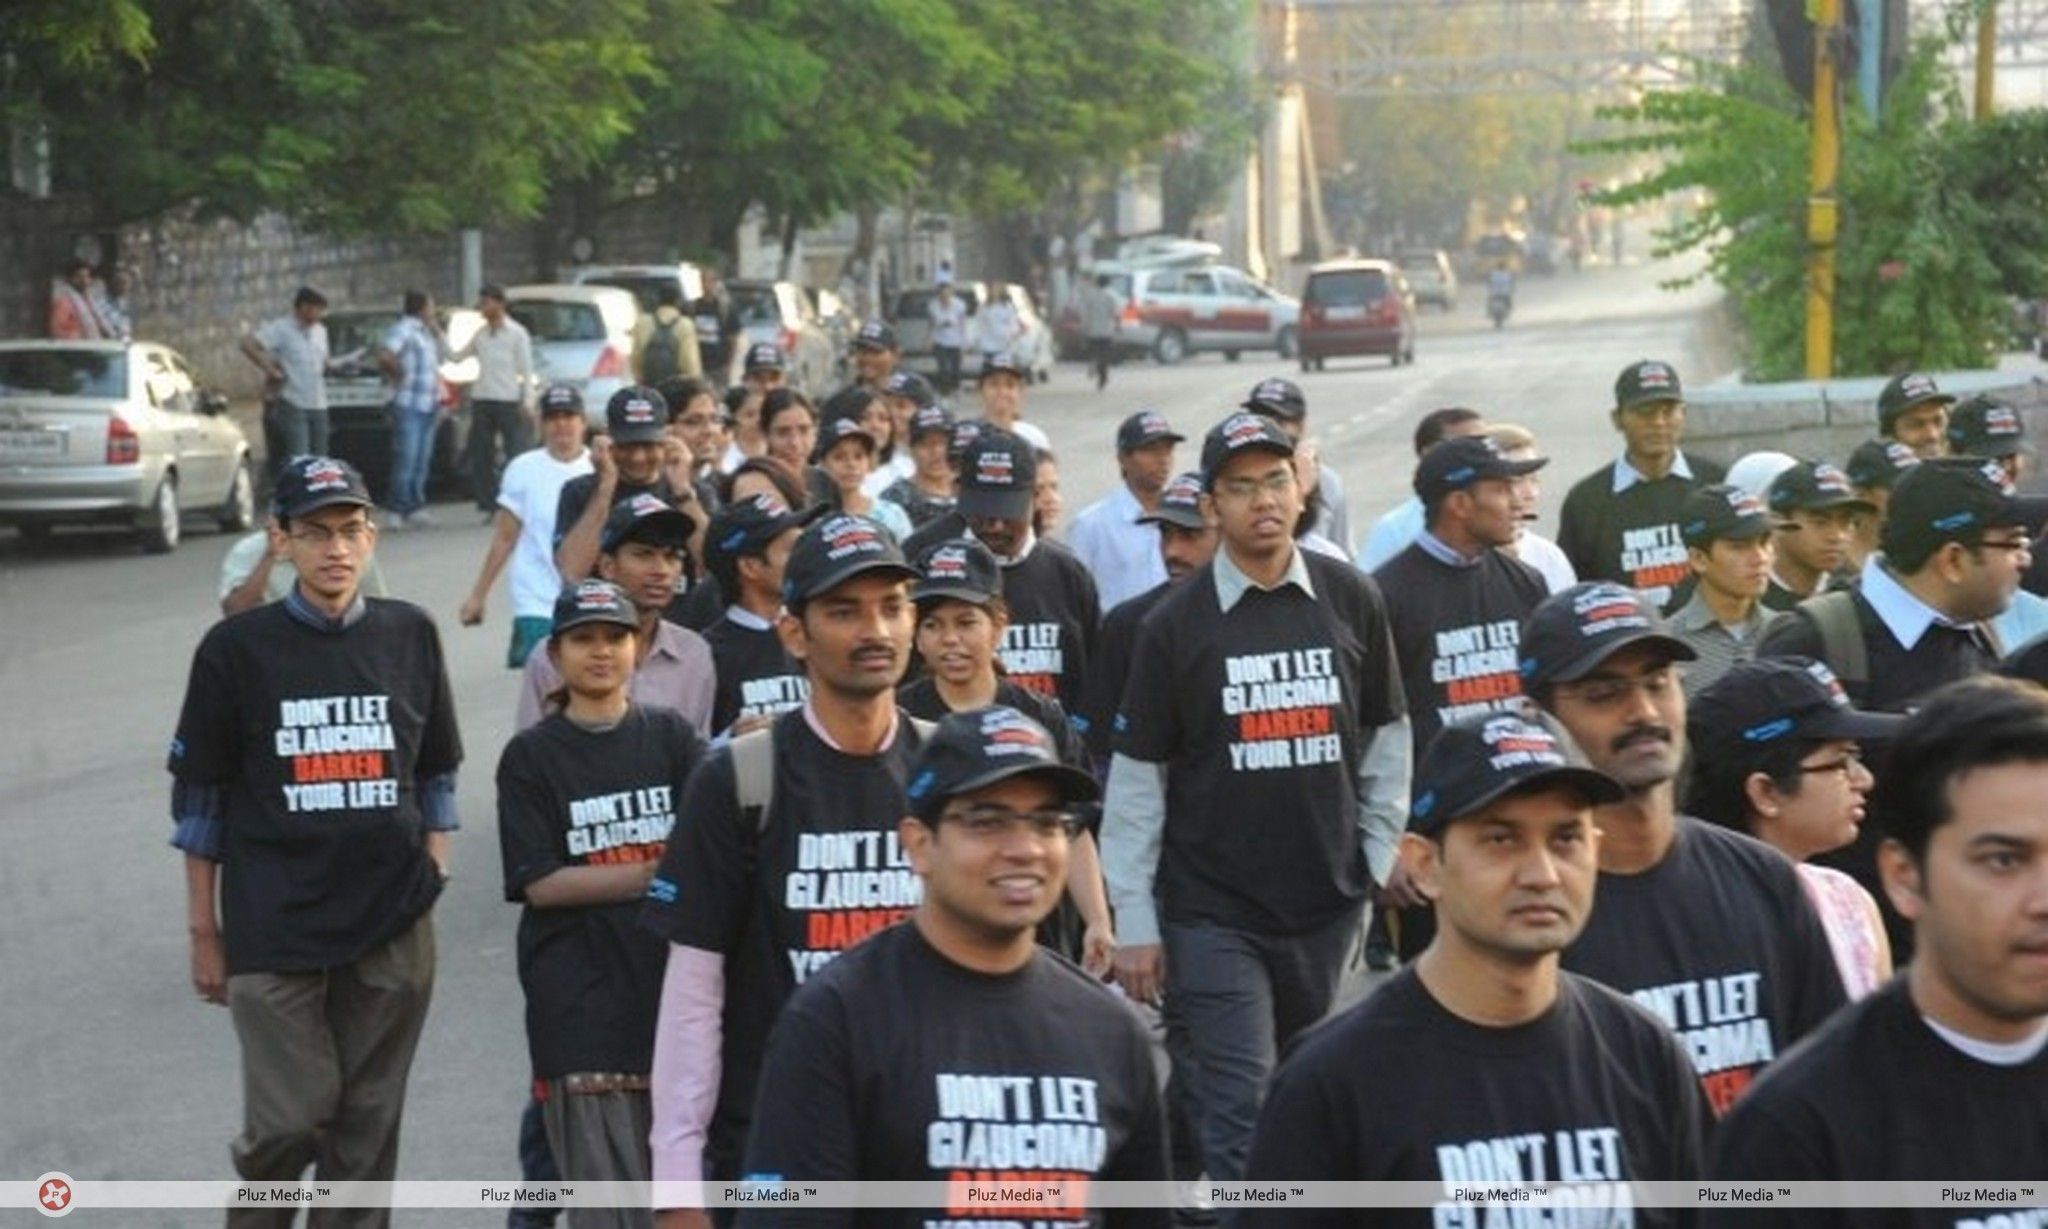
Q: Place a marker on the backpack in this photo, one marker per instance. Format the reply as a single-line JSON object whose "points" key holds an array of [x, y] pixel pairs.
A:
{"points": [[662, 359], [753, 770], [1841, 637]]}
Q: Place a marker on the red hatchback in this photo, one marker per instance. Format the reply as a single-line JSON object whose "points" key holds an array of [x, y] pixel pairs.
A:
{"points": [[1356, 307]]}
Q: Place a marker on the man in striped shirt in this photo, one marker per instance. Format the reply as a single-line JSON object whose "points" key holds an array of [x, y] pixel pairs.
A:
{"points": [[411, 358]]}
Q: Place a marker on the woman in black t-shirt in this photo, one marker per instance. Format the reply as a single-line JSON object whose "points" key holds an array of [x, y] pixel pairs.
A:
{"points": [[961, 618], [586, 799]]}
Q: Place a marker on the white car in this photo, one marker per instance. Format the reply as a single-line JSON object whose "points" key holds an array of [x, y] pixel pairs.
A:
{"points": [[122, 432], [1176, 311], [645, 281], [780, 312], [582, 336], [912, 322]]}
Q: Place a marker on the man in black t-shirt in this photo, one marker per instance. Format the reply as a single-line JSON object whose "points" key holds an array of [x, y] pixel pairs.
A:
{"points": [[1817, 512], [1484, 1063], [1943, 1074], [1914, 411], [314, 783], [1259, 783], [785, 850], [1874, 468], [952, 1049], [635, 456], [1187, 542], [1620, 522], [1456, 601], [746, 550], [1053, 606], [719, 330], [1707, 928]]}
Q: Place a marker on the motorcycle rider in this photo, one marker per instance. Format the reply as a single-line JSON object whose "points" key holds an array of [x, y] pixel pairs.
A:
{"points": [[1500, 293]]}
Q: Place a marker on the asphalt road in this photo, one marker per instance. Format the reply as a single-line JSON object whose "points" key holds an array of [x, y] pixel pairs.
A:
{"points": [[114, 1071]]}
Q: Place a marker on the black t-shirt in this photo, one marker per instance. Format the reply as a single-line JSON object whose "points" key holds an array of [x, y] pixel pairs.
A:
{"points": [[570, 797], [1631, 538], [1719, 941], [1112, 666], [1456, 631], [781, 895], [318, 741], [1398, 1089], [718, 328], [1877, 1096], [919, 505], [1258, 715], [699, 606], [756, 676], [576, 493], [897, 1064]]}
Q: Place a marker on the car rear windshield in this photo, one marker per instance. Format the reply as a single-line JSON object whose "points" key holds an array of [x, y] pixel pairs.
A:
{"points": [[550, 320], [352, 338], [1355, 288], [756, 304], [63, 373], [1425, 261], [646, 289]]}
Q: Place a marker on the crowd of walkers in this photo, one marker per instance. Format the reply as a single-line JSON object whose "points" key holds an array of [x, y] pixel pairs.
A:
{"points": [[865, 824]]}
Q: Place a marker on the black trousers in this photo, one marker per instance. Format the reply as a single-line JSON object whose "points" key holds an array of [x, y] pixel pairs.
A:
{"points": [[492, 423]]}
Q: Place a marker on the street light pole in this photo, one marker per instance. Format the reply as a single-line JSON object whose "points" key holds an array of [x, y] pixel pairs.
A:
{"points": [[1821, 213], [1987, 57]]}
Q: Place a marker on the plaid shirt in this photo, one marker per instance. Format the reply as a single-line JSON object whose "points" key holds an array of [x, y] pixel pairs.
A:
{"points": [[419, 364]]}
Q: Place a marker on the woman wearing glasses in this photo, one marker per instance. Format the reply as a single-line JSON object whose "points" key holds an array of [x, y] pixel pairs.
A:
{"points": [[1777, 754]]}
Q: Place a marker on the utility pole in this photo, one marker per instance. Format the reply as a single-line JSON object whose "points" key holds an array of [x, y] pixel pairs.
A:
{"points": [[1821, 208], [1987, 57]]}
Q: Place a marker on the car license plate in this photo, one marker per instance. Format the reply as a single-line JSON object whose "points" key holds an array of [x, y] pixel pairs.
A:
{"points": [[34, 442], [1345, 313]]}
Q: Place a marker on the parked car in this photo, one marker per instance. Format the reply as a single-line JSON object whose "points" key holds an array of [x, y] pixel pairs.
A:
{"points": [[1432, 278], [582, 335], [840, 325], [1176, 311], [645, 281], [780, 312], [1356, 307], [121, 432], [912, 321], [359, 423]]}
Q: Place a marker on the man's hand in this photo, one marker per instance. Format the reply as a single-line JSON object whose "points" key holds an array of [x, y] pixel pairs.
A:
{"points": [[602, 463], [472, 612], [682, 1218], [1141, 971], [1098, 951], [751, 722], [210, 967], [676, 462], [1308, 466], [1401, 892]]}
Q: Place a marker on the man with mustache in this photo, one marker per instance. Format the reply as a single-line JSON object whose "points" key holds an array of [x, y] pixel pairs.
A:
{"points": [[771, 874], [1943, 1073], [1707, 928]]}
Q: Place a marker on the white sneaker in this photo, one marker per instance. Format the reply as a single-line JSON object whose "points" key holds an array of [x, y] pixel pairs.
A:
{"points": [[394, 521], [420, 520]]}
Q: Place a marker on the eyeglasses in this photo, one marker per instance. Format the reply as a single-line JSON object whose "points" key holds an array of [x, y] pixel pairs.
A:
{"points": [[1247, 488], [2010, 544], [354, 533], [1846, 765], [988, 823]]}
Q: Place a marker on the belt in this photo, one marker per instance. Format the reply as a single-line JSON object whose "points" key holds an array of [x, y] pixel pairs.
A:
{"points": [[596, 1083]]}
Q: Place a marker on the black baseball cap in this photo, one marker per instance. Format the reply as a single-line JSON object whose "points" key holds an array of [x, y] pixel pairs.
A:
{"points": [[1471, 763], [1761, 702], [1003, 361], [1721, 512], [747, 526], [1244, 432], [1904, 391], [1815, 486], [1878, 463], [1984, 426], [310, 483], [932, 419], [998, 475], [645, 518], [965, 432], [1643, 382], [764, 356], [980, 747], [1953, 499], [875, 335], [834, 550], [958, 568], [1572, 631], [835, 431], [561, 399], [910, 385], [1455, 464], [1180, 503], [1142, 428], [1279, 398], [636, 414], [592, 601]]}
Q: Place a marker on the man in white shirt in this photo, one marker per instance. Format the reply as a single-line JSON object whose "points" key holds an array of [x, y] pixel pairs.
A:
{"points": [[1117, 545], [497, 401], [1518, 443], [997, 328], [292, 351], [1402, 524], [949, 333], [1002, 398], [527, 498]]}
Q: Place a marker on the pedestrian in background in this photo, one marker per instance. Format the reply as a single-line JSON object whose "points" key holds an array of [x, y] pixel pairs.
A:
{"points": [[1728, 546], [948, 314], [74, 313], [1518, 443], [719, 333], [1399, 525], [1913, 410], [292, 353], [1110, 536], [1099, 310], [410, 356], [525, 534], [498, 400], [1327, 514], [1816, 510]]}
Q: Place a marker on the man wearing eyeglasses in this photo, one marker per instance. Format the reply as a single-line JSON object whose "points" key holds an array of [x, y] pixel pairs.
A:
{"points": [[1621, 522], [1952, 551], [314, 792], [1258, 786], [951, 1048], [1707, 928]]}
